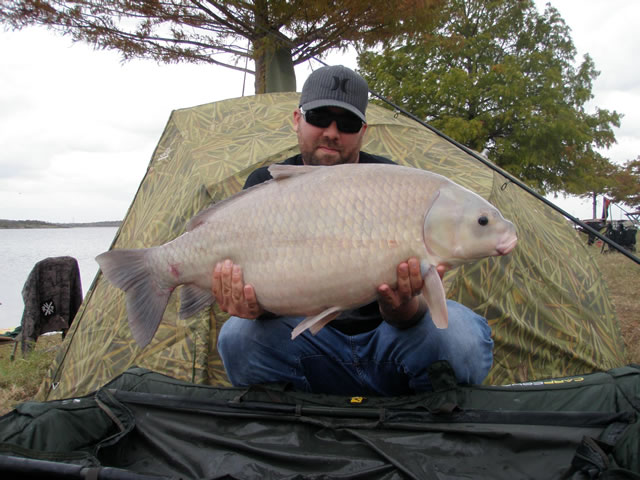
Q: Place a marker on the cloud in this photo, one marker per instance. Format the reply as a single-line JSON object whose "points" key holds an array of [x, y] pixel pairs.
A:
{"points": [[606, 31], [78, 127]]}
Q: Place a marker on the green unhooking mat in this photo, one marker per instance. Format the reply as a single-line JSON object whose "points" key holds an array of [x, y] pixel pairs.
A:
{"points": [[146, 425]]}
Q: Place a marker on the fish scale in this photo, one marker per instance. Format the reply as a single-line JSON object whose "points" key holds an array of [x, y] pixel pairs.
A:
{"points": [[314, 241]]}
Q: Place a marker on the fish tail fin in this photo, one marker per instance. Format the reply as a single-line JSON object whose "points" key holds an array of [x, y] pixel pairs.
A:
{"points": [[146, 299]]}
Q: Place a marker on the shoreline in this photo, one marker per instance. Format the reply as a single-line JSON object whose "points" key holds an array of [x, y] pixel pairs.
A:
{"points": [[19, 224]]}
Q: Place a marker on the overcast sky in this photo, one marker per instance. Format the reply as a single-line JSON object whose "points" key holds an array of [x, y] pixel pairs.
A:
{"points": [[78, 127]]}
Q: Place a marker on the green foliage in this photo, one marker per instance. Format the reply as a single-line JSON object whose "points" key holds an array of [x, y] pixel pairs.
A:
{"points": [[626, 185], [500, 78]]}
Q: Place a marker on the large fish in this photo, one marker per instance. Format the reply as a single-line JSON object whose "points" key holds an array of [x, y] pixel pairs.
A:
{"points": [[313, 242]]}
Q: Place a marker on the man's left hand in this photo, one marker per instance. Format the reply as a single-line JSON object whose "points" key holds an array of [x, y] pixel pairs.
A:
{"points": [[402, 304]]}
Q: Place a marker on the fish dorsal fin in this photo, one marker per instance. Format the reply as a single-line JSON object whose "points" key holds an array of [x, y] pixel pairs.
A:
{"points": [[278, 172]]}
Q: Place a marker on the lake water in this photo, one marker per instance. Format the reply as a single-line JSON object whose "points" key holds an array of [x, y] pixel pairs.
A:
{"points": [[21, 249]]}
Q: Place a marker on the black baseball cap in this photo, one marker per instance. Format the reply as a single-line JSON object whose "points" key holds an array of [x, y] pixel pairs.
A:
{"points": [[336, 86]]}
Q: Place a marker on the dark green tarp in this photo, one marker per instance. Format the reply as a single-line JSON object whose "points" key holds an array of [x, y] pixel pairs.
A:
{"points": [[144, 423]]}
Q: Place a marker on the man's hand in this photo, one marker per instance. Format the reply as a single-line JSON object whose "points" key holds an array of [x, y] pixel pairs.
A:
{"points": [[232, 295], [403, 304]]}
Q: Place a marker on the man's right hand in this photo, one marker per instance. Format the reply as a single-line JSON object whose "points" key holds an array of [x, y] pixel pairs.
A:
{"points": [[232, 295]]}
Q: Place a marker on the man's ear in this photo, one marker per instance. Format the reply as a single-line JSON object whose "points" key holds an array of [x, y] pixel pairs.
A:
{"points": [[296, 119]]}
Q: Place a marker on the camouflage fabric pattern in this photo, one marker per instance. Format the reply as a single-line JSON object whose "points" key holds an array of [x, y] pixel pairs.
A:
{"points": [[546, 302]]}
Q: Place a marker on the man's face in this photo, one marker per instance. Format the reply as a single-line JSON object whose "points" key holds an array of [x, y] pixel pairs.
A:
{"points": [[327, 146]]}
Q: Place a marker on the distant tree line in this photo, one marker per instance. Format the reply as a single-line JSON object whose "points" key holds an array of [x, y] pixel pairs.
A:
{"points": [[40, 224]]}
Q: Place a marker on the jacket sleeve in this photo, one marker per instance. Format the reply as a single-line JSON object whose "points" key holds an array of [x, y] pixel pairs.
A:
{"points": [[256, 177]]}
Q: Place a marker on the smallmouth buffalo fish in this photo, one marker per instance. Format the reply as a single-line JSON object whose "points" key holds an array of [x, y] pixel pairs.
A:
{"points": [[315, 241]]}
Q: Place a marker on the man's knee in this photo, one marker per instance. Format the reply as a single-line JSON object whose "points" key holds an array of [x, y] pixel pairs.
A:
{"points": [[469, 349], [465, 344], [257, 351], [233, 339]]}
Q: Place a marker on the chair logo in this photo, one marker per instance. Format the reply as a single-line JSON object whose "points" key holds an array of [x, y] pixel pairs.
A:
{"points": [[48, 308]]}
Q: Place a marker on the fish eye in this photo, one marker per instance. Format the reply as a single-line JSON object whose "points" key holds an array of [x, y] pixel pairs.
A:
{"points": [[483, 220]]}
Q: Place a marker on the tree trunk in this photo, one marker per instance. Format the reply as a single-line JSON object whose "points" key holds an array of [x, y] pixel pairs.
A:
{"points": [[261, 67], [272, 57], [274, 71], [280, 76], [595, 205]]}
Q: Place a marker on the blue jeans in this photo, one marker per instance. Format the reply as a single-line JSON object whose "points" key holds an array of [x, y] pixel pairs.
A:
{"points": [[385, 361]]}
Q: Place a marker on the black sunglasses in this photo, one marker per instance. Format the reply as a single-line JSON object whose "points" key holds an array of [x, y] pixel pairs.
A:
{"points": [[323, 117]]}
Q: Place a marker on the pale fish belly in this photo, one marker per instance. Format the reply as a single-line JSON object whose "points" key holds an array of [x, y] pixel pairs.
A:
{"points": [[305, 253]]}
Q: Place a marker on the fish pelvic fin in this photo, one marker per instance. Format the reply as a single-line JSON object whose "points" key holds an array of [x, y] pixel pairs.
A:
{"points": [[433, 293], [315, 323], [146, 300], [193, 299]]}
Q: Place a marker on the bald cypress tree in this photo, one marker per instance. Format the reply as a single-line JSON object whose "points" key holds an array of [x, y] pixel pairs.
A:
{"points": [[274, 35]]}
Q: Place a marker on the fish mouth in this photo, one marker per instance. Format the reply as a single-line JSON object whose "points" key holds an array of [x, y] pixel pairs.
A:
{"points": [[507, 245]]}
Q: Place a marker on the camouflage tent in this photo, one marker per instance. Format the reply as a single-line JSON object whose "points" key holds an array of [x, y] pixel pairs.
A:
{"points": [[546, 302]]}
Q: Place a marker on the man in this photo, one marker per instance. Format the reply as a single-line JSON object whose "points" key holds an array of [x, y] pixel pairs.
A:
{"points": [[384, 348]]}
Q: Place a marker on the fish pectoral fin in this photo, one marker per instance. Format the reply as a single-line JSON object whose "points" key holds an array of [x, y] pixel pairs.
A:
{"points": [[278, 172], [193, 299], [433, 293], [316, 322]]}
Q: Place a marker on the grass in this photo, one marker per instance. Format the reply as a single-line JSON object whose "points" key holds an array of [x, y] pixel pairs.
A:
{"points": [[623, 279], [20, 379]]}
